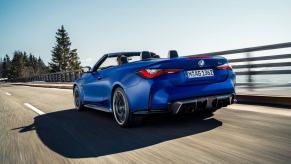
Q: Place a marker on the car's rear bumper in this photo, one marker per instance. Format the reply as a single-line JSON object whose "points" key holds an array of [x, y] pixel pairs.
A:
{"points": [[162, 96], [210, 103]]}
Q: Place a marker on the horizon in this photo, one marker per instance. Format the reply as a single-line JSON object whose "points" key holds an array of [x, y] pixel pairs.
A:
{"points": [[98, 27]]}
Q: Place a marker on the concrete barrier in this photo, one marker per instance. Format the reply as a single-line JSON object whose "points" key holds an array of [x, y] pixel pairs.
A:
{"points": [[279, 101], [46, 85]]}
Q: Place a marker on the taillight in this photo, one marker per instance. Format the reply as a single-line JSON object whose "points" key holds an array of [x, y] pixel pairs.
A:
{"points": [[153, 73], [225, 66]]}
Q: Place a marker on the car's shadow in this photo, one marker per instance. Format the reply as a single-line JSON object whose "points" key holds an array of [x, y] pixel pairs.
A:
{"points": [[91, 134]]}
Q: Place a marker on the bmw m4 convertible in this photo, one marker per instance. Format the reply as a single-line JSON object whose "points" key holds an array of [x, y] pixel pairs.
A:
{"points": [[130, 84]]}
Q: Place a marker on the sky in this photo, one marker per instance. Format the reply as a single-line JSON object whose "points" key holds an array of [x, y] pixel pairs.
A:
{"points": [[97, 27]]}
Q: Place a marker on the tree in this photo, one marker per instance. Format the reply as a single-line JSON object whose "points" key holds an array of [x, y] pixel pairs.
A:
{"points": [[63, 58], [41, 67], [23, 65], [74, 63], [19, 64], [6, 64], [1, 68]]}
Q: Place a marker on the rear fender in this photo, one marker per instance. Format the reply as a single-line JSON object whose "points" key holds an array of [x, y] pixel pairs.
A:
{"points": [[114, 86]]}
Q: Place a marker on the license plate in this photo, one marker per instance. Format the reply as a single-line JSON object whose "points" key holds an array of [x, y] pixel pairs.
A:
{"points": [[200, 73]]}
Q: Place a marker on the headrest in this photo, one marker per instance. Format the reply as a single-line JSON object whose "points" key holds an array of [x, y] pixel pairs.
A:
{"points": [[145, 55], [156, 56], [123, 59], [173, 54]]}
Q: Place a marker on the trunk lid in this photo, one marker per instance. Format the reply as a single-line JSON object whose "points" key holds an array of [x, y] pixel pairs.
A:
{"points": [[192, 66]]}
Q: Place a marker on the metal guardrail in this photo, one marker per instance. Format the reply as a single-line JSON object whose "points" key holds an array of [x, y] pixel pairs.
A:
{"points": [[51, 77], [249, 49], [71, 76], [249, 58]]}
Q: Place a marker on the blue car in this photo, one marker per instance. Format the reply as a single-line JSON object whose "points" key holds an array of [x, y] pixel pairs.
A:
{"points": [[131, 84]]}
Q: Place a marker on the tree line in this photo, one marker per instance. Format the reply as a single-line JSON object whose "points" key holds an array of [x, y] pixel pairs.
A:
{"points": [[23, 64]]}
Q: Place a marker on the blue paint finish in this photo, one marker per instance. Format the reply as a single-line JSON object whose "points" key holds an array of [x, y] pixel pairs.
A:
{"points": [[97, 87]]}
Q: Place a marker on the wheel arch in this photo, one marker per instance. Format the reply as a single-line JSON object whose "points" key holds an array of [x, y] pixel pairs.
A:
{"points": [[115, 86], [74, 85], [80, 90], [112, 92]]}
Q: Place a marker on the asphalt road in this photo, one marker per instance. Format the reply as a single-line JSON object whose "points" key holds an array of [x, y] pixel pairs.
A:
{"points": [[39, 125]]}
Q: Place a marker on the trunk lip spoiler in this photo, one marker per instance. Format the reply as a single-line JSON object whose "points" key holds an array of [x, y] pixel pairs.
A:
{"points": [[199, 57]]}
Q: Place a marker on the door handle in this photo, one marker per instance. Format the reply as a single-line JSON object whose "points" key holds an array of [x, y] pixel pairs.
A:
{"points": [[99, 77]]}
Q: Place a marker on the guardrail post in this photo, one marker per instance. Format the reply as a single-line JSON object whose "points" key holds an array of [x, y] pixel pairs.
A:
{"points": [[70, 76], [250, 78], [64, 77], [60, 77], [67, 79], [74, 76]]}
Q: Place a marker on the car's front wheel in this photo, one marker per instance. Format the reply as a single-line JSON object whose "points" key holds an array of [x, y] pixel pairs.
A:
{"points": [[77, 99], [122, 113]]}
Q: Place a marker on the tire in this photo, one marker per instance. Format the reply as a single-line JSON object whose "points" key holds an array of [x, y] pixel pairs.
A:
{"points": [[77, 99], [122, 114]]}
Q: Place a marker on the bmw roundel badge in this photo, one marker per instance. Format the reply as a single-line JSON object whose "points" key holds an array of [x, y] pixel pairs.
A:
{"points": [[201, 63]]}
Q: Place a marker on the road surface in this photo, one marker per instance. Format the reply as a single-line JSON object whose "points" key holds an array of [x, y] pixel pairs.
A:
{"points": [[40, 125]]}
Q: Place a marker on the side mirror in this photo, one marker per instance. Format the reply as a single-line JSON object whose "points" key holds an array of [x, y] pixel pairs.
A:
{"points": [[86, 69]]}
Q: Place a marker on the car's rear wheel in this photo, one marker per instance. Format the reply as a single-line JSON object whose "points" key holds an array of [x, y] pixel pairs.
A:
{"points": [[77, 99], [122, 114]]}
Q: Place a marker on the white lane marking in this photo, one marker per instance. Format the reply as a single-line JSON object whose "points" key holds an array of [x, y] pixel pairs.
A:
{"points": [[262, 109], [34, 109], [8, 94]]}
